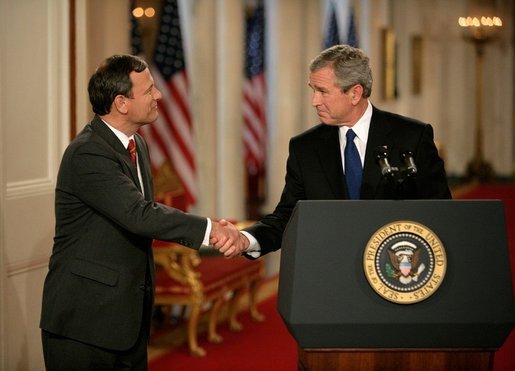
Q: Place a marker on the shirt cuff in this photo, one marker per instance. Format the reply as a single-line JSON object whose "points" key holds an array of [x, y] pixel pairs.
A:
{"points": [[254, 249], [205, 242]]}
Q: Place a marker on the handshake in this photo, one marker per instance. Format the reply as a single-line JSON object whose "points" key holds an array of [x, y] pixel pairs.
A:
{"points": [[227, 239]]}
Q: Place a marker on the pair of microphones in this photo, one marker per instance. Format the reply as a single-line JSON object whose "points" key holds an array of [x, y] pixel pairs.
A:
{"points": [[408, 169]]}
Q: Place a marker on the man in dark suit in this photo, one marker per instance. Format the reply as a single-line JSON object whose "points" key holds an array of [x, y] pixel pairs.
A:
{"points": [[98, 293], [318, 162]]}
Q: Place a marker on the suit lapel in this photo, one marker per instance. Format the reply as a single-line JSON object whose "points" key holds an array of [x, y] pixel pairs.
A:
{"points": [[112, 140], [145, 167], [378, 135], [331, 160]]}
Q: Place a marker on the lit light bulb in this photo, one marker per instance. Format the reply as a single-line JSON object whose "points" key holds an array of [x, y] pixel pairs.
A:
{"points": [[138, 12], [150, 12]]}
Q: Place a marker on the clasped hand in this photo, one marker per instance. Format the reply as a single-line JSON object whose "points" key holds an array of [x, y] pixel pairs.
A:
{"points": [[227, 239]]}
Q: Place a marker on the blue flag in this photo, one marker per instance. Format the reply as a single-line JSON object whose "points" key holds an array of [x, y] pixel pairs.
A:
{"points": [[340, 24]]}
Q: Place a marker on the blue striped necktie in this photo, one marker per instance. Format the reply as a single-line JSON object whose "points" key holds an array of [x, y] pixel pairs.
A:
{"points": [[353, 169]]}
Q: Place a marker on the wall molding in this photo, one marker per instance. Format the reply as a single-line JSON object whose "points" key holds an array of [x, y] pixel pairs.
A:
{"points": [[27, 265], [29, 188]]}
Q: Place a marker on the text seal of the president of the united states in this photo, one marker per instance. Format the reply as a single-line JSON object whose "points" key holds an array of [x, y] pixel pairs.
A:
{"points": [[405, 262]]}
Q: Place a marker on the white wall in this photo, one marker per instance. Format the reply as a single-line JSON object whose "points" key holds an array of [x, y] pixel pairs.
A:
{"points": [[447, 100], [34, 120]]}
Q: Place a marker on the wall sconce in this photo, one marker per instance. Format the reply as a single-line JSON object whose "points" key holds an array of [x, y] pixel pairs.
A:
{"points": [[479, 30]]}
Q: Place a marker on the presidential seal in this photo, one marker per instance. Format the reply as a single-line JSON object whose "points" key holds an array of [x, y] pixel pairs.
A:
{"points": [[404, 262]]}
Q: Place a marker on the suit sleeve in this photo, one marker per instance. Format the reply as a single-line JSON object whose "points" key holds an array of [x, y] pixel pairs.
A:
{"points": [[100, 180], [269, 230], [431, 178]]}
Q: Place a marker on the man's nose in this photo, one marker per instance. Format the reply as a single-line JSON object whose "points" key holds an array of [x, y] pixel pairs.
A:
{"points": [[315, 99]]}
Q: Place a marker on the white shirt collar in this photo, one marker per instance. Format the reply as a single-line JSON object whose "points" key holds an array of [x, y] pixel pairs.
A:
{"points": [[125, 141], [361, 127], [120, 135]]}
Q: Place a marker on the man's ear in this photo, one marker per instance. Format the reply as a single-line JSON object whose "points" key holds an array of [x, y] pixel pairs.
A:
{"points": [[357, 93], [121, 104]]}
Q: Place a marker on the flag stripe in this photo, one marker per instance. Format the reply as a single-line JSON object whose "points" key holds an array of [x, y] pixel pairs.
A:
{"points": [[254, 118], [158, 156], [179, 129], [254, 94]]}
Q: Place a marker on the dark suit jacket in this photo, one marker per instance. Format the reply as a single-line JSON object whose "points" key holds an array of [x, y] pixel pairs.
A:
{"points": [[314, 170], [102, 260]]}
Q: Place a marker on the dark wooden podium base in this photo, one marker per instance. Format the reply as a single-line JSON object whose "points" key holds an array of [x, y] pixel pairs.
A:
{"points": [[396, 359]]}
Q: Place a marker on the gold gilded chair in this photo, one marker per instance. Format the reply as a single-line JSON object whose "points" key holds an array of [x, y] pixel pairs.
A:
{"points": [[183, 277]]}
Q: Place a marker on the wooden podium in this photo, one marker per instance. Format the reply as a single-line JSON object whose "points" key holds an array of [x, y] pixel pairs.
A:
{"points": [[341, 322], [395, 359]]}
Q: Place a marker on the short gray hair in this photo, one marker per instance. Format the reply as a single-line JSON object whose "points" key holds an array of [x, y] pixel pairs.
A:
{"points": [[351, 66]]}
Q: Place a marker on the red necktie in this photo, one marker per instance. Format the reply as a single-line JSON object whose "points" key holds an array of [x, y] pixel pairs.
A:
{"points": [[132, 151]]}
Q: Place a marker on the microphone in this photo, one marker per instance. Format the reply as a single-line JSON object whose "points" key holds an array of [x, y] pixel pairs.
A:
{"points": [[381, 156], [409, 162]]}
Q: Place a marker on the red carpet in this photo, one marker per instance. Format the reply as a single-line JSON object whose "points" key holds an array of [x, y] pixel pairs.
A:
{"points": [[268, 345], [260, 346], [506, 193], [505, 356]]}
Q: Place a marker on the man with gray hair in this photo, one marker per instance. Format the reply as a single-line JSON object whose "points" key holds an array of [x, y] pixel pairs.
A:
{"points": [[357, 151]]}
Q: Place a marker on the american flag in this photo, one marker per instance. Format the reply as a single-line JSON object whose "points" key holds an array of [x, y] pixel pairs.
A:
{"points": [[254, 93], [170, 138], [341, 25]]}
